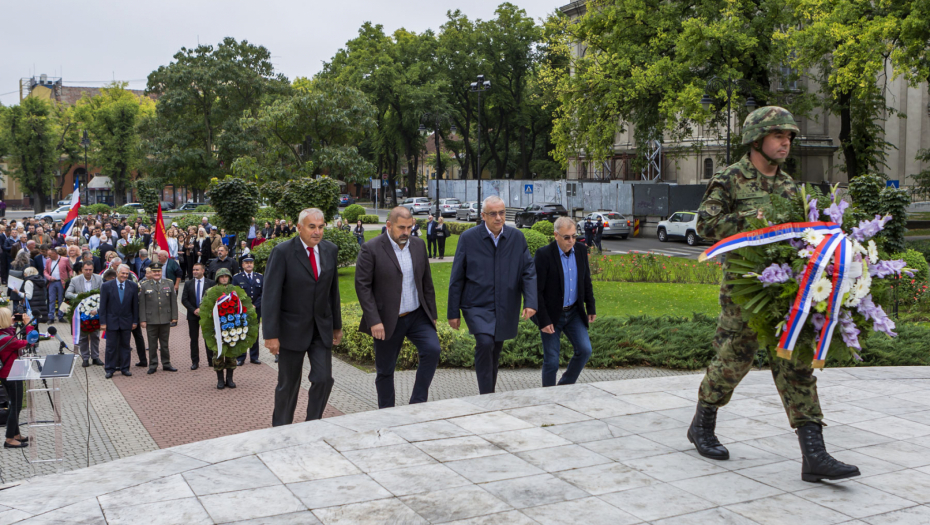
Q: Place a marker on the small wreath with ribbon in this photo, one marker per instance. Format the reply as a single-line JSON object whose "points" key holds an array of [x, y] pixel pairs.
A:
{"points": [[228, 320], [82, 306]]}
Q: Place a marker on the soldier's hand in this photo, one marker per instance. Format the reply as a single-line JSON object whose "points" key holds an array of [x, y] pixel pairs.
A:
{"points": [[377, 331], [528, 312], [273, 346], [143, 324], [337, 336], [455, 323], [548, 329]]}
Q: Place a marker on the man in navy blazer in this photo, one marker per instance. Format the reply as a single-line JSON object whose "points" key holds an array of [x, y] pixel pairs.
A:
{"points": [[119, 316], [492, 272], [566, 302]]}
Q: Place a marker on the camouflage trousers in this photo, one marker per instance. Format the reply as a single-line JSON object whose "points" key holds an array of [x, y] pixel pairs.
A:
{"points": [[736, 346], [224, 363]]}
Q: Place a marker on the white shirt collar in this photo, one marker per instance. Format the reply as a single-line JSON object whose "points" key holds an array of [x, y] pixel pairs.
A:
{"points": [[316, 249], [491, 233], [397, 247]]}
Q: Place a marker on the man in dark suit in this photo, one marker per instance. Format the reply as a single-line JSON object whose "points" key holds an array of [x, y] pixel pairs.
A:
{"points": [[251, 283], [194, 290], [432, 247], [143, 263], [302, 315], [491, 273], [119, 316], [566, 302], [395, 289]]}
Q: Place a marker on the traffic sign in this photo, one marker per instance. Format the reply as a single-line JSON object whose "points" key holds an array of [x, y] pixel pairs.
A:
{"points": [[895, 182], [528, 189]]}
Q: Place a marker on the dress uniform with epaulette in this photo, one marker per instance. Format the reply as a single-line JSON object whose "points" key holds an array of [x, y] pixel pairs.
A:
{"points": [[251, 283], [158, 309]]}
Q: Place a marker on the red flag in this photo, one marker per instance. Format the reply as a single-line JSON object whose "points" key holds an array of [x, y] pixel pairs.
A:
{"points": [[161, 237]]}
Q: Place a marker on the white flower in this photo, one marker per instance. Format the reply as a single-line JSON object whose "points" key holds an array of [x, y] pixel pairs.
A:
{"points": [[812, 237], [226, 339], [232, 343], [821, 290], [863, 286], [805, 254], [225, 334], [873, 252]]}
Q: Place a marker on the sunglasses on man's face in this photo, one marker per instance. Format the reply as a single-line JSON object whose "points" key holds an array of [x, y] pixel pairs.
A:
{"points": [[567, 237]]}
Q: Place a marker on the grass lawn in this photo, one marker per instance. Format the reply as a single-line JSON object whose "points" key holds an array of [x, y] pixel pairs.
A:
{"points": [[913, 233], [613, 299], [451, 242]]}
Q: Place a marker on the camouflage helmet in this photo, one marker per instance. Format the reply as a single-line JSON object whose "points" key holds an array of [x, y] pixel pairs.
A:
{"points": [[766, 120], [221, 272]]}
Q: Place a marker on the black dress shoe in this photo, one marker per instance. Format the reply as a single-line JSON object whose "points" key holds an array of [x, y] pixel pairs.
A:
{"points": [[256, 362], [142, 364], [85, 364], [21, 445], [109, 375], [126, 373], [151, 371], [195, 366], [169, 368], [97, 361]]}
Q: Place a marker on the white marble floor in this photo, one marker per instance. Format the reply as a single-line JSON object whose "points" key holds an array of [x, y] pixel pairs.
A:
{"points": [[602, 453]]}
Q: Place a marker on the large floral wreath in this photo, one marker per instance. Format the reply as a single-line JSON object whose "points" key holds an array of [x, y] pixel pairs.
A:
{"points": [[82, 305], [237, 320]]}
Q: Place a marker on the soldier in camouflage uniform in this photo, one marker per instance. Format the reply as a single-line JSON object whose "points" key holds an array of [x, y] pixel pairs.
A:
{"points": [[158, 310], [227, 362], [735, 193]]}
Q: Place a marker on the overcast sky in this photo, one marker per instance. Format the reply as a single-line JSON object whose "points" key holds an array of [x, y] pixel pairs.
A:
{"points": [[94, 41]]}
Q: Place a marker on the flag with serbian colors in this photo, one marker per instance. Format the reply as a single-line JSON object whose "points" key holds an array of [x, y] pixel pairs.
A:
{"points": [[75, 205], [161, 237]]}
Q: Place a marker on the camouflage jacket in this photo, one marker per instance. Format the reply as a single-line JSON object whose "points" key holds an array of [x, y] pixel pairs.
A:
{"points": [[737, 192]]}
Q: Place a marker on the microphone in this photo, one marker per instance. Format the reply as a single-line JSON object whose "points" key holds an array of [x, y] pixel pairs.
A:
{"points": [[32, 337], [52, 331]]}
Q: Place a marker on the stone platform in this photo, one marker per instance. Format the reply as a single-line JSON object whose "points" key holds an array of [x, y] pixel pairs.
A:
{"points": [[601, 453]]}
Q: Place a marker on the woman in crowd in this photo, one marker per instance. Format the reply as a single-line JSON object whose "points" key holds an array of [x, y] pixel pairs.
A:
{"points": [[9, 351], [74, 257], [360, 232], [35, 291], [244, 249], [203, 248], [173, 243], [442, 233], [267, 231], [19, 264]]}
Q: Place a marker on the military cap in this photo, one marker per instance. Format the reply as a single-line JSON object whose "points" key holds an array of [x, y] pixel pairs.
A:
{"points": [[155, 266], [767, 120], [248, 258], [223, 271]]}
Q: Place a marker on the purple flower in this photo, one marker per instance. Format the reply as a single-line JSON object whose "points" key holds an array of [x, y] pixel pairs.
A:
{"points": [[867, 308], [775, 274], [836, 211], [868, 229], [813, 214], [880, 320], [818, 320], [849, 331], [797, 244], [885, 268]]}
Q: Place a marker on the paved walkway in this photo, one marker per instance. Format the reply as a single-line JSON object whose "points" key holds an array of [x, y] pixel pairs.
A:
{"points": [[610, 452]]}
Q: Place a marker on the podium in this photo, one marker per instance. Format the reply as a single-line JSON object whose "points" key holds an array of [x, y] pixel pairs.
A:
{"points": [[42, 377]]}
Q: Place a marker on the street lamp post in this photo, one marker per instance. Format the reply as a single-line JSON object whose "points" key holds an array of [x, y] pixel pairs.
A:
{"points": [[714, 85], [85, 141], [437, 121], [478, 87]]}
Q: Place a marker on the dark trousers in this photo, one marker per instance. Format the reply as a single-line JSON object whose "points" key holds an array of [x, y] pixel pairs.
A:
{"points": [[253, 352], [421, 331], [140, 344], [158, 338], [14, 391], [431, 247], [4, 266], [118, 353], [597, 241], [193, 328], [572, 324], [442, 246], [290, 368], [487, 357]]}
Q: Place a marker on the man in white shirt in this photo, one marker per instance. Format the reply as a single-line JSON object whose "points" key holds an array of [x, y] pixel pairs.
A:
{"points": [[88, 281]]}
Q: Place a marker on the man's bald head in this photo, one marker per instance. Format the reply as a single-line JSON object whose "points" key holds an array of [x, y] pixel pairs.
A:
{"points": [[399, 212]]}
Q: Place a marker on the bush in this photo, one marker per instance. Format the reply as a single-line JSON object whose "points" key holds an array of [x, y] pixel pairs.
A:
{"points": [[307, 192], [125, 210], [347, 244], [458, 228], [912, 289], [98, 208], [544, 227], [187, 220], [535, 240], [147, 191], [263, 250], [264, 215], [370, 219], [205, 208], [235, 201], [352, 213]]}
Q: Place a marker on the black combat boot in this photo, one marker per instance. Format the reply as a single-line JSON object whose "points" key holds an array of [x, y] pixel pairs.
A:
{"points": [[229, 381], [817, 463], [220, 382], [702, 434]]}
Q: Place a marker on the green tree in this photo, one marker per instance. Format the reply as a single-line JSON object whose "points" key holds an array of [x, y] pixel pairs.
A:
{"points": [[300, 194], [147, 190], [202, 95], [114, 119], [235, 201]]}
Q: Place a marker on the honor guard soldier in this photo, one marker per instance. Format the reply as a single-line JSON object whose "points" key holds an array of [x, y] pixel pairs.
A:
{"points": [[158, 310], [251, 283]]}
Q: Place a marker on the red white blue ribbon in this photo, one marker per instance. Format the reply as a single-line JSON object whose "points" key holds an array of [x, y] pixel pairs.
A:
{"points": [[768, 235], [842, 259]]}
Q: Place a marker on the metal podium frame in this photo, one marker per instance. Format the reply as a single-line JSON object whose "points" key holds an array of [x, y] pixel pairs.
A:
{"points": [[43, 407]]}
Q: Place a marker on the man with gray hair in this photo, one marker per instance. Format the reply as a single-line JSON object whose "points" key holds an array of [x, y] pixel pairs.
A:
{"points": [[119, 316], [492, 271], [302, 315]]}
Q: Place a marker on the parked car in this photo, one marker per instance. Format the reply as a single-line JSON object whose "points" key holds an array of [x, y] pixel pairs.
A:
{"points": [[191, 206], [345, 200], [543, 211], [57, 215], [468, 211], [417, 205], [66, 202], [134, 205], [615, 224], [681, 225], [167, 205], [448, 207]]}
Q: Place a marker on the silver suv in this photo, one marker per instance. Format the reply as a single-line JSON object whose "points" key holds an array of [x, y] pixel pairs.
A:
{"points": [[417, 205], [468, 211]]}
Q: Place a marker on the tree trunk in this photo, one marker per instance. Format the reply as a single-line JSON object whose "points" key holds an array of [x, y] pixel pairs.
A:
{"points": [[849, 151], [38, 202]]}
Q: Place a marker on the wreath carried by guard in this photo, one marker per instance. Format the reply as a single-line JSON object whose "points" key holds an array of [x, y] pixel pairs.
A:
{"points": [[228, 319]]}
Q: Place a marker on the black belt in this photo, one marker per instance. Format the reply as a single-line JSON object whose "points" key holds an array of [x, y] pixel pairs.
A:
{"points": [[569, 307]]}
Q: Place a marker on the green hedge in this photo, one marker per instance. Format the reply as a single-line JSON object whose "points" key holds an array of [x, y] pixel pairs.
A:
{"points": [[370, 219], [206, 208], [352, 213], [98, 208], [346, 241], [668, 342], [263, 250], [458, 228], [544, 227], [535, 240], [268, 214]]}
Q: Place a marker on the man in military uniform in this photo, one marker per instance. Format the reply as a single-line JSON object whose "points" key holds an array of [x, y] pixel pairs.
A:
{"points": [[224, 363], [251, 283], [158, 310], [734, 194]]}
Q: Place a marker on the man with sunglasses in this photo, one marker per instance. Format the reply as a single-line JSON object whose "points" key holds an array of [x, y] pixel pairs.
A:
{"points": [[492, 274], [566, 302]]}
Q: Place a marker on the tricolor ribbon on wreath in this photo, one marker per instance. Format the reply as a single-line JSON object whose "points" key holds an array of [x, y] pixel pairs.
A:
{"points": [[835, 247], [218, 319]]}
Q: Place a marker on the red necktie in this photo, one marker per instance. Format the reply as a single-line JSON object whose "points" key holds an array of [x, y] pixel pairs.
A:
{"points": [[316, 273]]}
